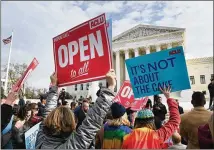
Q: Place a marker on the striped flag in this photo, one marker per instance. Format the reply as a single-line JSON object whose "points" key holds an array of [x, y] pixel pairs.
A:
{"points": [[7, 40]]}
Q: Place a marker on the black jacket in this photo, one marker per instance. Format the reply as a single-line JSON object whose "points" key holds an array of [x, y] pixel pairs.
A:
{"points": [[160, 113], [18, 136], [41, 110], [181, 110], [83, 137], [211, 89]]}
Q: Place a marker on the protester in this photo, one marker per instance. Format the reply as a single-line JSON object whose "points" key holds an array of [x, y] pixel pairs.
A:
{"points": [[20, 125], [149, 104], [159, 109], [6, 120], [211, 91], [62, 96], [131, 116], [80, 114], [73, 106], [206, 135], [145, 135], [15, 109], [43, 98], [34, 117], [176, 139], [181, 110], [21, 102], [192, 120], [58, 129], [117, 128]]}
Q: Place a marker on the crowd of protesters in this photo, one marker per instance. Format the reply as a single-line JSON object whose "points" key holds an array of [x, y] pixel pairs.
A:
{"points": [[106, 124]]}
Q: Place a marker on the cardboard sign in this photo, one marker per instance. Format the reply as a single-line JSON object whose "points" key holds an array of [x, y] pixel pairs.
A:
{"points": [[82, 54], [126, 98], [30, 136], [149, 72], [21, 81]]}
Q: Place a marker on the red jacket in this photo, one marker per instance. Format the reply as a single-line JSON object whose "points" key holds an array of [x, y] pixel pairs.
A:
{"points": [[145, 138]]}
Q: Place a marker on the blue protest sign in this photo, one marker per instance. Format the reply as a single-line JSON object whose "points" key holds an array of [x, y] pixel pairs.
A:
{"points": [[30, 136], [149, 72]]}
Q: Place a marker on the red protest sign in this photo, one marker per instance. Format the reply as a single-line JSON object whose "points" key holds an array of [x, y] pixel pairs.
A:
{"points": [[125, 96], [82, 54], [23, 78]]}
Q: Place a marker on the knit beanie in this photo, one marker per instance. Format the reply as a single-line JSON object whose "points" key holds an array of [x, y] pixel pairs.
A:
{"points": [[117, 110], [145, 114]]}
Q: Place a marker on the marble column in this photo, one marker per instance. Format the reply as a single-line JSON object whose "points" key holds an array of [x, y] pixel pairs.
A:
{"points": [[118, 69], [126, 57], [158, 48], [147, 50], [136, 53], [93, 90], [169, 45]]}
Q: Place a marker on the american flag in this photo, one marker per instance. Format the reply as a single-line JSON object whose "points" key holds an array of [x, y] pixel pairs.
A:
{"points": [[7, 40]]}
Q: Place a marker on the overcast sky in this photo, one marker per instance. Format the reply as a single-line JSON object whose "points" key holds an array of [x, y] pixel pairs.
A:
{"points": [[36, 23]]}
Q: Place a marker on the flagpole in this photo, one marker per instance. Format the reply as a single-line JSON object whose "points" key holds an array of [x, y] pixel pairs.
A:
{"points": [[8, 66]]}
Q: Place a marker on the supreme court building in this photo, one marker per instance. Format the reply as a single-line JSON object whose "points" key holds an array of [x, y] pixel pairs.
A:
{"points": [[137, 41]]}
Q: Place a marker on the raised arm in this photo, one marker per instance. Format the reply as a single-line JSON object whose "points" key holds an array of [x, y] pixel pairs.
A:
{"points": [[174, 120], [85, 134], [51, 102]]}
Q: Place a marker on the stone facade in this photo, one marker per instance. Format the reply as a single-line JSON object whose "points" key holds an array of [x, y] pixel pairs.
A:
{"points": [[139, 40]]}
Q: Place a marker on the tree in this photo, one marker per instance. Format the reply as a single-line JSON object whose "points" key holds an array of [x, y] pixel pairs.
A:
{"points": [[15, 72], [2, 93]]}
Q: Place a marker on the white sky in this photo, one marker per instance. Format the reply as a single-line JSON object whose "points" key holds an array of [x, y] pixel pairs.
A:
{"points": [[36, 23]]}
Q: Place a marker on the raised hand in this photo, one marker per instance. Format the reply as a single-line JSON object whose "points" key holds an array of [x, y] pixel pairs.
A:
{"points": [[12, 96], [166, 91], [111, 79], [53, 78]]}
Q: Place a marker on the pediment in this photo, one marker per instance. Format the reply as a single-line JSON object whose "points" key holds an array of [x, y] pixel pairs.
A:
{"points": [[143, 31]]}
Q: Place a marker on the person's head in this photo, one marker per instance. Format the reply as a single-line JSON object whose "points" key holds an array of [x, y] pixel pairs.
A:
{"points": [[198, 99], [63, 90], [59, 104], [145, 118], [34, 108], [60, 120], [176, 138], [159, 99], [148, 103], [118, 114], [24, 113], [212, 81], [85, 105], [65, 103], [43, 98], [73, 105], [16, 109]]}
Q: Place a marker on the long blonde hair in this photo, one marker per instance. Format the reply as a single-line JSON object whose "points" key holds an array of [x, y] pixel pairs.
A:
{"points": [[119, 121]]}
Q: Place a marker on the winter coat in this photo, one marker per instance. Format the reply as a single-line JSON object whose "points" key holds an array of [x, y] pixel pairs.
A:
{"points": [[146, 138], [83, 137], [18, 136], [211, 89], [189, 125]]}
